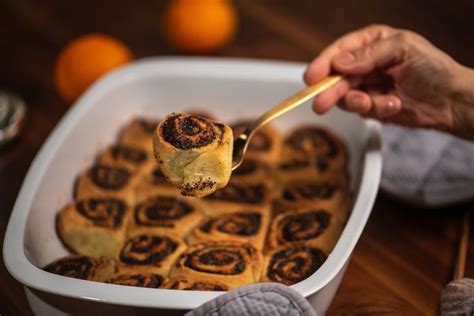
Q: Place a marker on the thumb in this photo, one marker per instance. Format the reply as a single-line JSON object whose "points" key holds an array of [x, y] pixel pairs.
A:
{"points": [[380, 54]]}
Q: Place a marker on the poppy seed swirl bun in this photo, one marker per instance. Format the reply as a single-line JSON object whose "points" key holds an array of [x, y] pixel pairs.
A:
{"points": [[231, 263], [194, 153], [82, 267], [292, 264]]}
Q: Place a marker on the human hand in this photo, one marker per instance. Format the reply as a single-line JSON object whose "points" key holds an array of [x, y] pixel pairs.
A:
{"points": [[396, 76]]}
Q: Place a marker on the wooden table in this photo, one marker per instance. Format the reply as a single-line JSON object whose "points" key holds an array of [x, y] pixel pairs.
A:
{"points": [[405, 256]]}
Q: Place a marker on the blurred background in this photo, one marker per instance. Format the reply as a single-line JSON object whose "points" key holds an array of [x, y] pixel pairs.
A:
{"points": [[42, 41]]}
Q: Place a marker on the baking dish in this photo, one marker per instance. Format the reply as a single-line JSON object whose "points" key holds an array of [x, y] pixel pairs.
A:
{"points": [[230, 89]]}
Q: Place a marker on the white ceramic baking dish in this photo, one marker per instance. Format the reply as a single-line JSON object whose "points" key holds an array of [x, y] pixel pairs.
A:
{"points": [[230, 89]]}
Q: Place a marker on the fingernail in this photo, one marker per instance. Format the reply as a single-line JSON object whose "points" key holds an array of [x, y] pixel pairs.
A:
{"points": [[390, 107], [345, 58]]}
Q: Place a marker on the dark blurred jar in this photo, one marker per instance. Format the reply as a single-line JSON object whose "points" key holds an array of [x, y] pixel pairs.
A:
{"points": [[12, 114]]}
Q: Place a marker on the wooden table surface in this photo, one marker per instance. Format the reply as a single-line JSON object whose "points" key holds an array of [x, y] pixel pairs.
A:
{"points": [[405, 255]]}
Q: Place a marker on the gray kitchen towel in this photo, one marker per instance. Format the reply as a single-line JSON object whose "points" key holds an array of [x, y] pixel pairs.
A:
{"points": [[427, 167], [260, 299]]}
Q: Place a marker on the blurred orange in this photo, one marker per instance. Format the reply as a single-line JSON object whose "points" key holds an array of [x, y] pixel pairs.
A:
{"points": [[199, 26], [84, 60]]}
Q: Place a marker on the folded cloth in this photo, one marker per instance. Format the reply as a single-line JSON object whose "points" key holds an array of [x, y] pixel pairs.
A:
{"points": [[427, 167], [263, 299], [457, 298]]}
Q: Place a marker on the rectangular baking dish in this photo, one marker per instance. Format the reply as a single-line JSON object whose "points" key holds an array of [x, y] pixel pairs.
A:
{"points": [[229, 88]]}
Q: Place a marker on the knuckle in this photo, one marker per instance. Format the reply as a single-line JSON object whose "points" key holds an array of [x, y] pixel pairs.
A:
{"points": [[405, 36], [366, 53], [378, 28]]}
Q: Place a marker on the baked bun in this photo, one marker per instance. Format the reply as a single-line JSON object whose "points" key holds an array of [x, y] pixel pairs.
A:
{"points": [[138, 133], [103, 180], [236, 196], [290, 265], [136, 276], [299, 194], [151, 249], [312, 152], [126, 156], [194, 153], [167, 212], [252, 171], [231, 263], [191, 283], [82, 267], [94, 226], [317, 227], [265, 144], [243, 226], [154, 182]]}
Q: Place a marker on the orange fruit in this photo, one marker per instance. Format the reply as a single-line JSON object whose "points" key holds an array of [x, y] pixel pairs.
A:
{"points": [[199, 26], [84, 60]]}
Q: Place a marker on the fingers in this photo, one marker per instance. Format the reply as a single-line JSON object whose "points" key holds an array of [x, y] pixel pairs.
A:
{"points": [[378, 106], [327, 99], [380, 54], [320, 67], [356, 101]]}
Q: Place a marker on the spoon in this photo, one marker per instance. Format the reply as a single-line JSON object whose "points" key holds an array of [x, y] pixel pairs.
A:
{"points": [[241, 143]]}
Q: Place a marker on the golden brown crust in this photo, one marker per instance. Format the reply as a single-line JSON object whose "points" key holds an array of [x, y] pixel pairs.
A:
{"points": [[82, 267], [152, 249], [167, 213], [231, 263], [136, 276], [236, 196], [253, 171], [94, 226], [194, 153], [191, 283], [138, 133], [317, 227], [292, 264], [103, 180], [265, 144], [299, 194], [127, 156], [244, 226], [312, 152], [154, 182]]}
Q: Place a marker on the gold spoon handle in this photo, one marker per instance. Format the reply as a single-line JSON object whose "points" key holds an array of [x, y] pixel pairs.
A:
{"points": [[293, 102], [241, 143]]}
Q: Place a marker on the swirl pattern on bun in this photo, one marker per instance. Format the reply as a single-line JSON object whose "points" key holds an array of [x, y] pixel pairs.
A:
{"points": [[311, 151], [167, 212], [313, 226], [94, 226], [194, 153], [331, 195], [126, 156], [82, 267], [154, 250], [104, 180], [244, 226], [238, 196], [292, 264], [231, 263]]}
